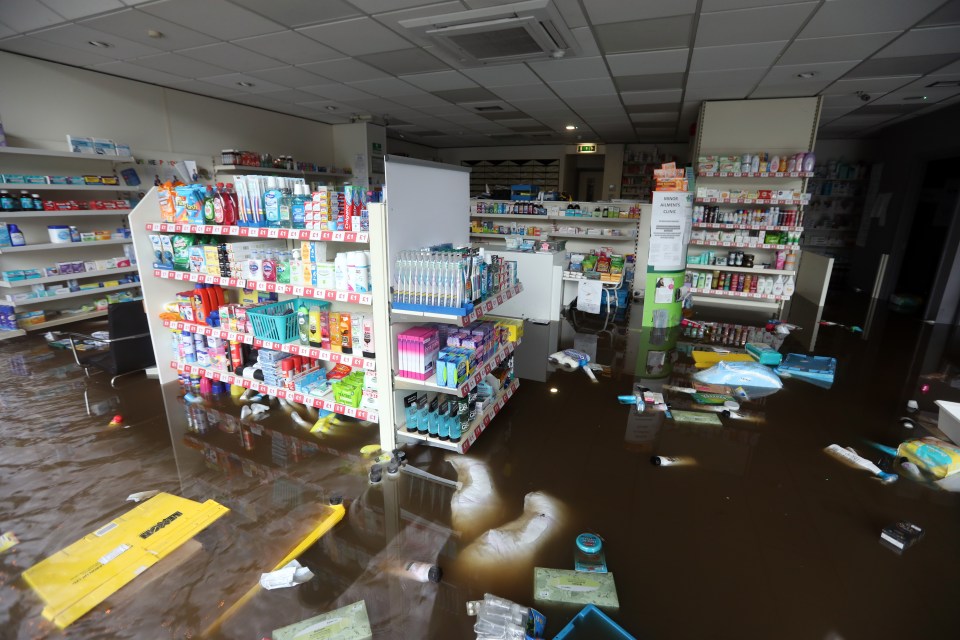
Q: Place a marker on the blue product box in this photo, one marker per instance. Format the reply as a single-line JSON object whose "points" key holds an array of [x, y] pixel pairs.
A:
{"points": [[13, 178], [35, 179], [4, 235]]}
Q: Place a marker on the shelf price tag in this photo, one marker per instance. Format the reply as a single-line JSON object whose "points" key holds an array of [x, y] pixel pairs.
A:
{"points": [[273, 233], [338, 236], [340, 408], [341, 296], [284, 233]]}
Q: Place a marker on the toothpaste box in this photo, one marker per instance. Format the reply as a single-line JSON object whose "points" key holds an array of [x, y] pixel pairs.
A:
{"points": [[104, 147]]}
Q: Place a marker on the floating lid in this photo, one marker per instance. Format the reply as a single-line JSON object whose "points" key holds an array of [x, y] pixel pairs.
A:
{"points": [[589, 543]]}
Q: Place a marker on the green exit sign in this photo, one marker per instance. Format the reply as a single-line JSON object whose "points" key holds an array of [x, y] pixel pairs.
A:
{"points": [[586, 148]]}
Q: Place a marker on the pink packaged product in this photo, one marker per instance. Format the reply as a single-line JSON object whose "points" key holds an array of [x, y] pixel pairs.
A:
{"points": [[417, 350]]}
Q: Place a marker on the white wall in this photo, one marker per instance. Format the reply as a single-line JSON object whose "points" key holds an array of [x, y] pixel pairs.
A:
{"points": [[409, 149], [41, 102]]}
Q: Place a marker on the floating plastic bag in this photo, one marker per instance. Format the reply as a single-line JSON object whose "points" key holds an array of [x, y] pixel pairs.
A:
{"points": [[756, 380]]}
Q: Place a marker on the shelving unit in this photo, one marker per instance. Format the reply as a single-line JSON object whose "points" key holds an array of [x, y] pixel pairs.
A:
{"points": [[40, 254], [430, 384], [242, 168], [781, 127], [636, 180], [330, 295], [361, 237], [544, 174]]}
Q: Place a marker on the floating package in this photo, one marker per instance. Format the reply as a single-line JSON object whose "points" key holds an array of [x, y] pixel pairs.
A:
{"points": [[817, 370], [743, 378]]}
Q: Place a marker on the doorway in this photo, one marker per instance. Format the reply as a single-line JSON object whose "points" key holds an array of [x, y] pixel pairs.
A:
{"points": [[583, 177]]}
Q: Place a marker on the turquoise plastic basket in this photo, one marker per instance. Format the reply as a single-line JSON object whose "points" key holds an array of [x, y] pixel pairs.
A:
{"points": [[277, 322]]}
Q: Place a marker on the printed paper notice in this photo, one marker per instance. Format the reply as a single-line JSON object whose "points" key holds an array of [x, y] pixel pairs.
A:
{"points": [[670, 225], [588, 296]]}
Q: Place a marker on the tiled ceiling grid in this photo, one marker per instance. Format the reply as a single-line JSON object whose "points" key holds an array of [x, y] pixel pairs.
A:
{"points": [[642, 70]]}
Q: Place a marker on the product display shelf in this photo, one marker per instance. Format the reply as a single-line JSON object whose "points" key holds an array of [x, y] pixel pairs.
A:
{"points": [[269, 287], [70, 187], [67, 319], [760, 174], [739, 294], [593, 219], [28, 302], [500, 236], [479, 310], [430, 384], [294, 348], [242, 168], [80, 213], [577, 276], [750, 227], [320, 235], [776, 201], [593, 236], [479, 424], [47, 153], [507, 216], [247, 383], [716, 267], [64, 245], [70, 276], [744, 245], [6, 334]]}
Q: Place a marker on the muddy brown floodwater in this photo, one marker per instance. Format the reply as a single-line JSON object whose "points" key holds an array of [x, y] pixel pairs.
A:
{"points": [[765, 537]]}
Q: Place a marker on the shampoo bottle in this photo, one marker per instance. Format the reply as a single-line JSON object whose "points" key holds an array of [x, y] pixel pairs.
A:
{"points": [[209, 208], [809, 160], [789, 287], [303, 324], [16, 236], [778, 286]]}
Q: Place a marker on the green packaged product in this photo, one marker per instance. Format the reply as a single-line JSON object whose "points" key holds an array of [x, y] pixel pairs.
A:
{"points": [[181, 243]]}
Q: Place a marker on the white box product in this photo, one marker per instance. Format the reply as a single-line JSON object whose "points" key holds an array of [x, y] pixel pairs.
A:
{"points": [[949, 421]]}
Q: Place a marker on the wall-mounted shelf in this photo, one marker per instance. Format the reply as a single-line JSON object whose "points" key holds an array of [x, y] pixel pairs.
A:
{"points": [[74, 294], [591, 236], [744, 245], [67, 187], [760, 270], [738, 294], [242, 168], [480, 310], [261, 232], [542, 236], [47, 153], [269, 287], [508, 216], [6, 334], [29, 282], [750, 227], [47, 246], [82, 213], [67, 319], [777, 201], [761, 174]]}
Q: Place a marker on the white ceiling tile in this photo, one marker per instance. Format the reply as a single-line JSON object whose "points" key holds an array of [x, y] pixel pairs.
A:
{"points": [[947, 70], [41, 49], [232, 80], [571, 13], [231, 57], [750, 25], [721, 92], [297, 13], [737, 78], [726, 5], [607, 11], [179, 65], [420, 101], [572, 69], [386, 87], [849, 101], [651, 97], [392, 19], [336, 91], [670, 116], [921, 42], [79, 37], [849, 47], [439, 81], [290, 95], [918, 88], [376, 6], [868, 85], [531, 92], [292, 77], [217, 18], [825, 72], [586, 41], [133, 25], [290, 47], [648, 62], [27, 15], [344, 69], [6, 31], [538, 104], [134, 72], [845, 17], [595, 86], [205, 88], [508, 75], [357, 36], [789, 90], [736, 56], [76, 9]]}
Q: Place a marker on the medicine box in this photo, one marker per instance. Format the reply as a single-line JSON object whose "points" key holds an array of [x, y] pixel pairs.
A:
{"points": [[562, 586]]}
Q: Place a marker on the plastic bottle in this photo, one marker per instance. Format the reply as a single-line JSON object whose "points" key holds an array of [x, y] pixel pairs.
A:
{"points": [[209, 208], [789, 287], [271, 203], [283, 267], [37, 202], [6, 201], [26, 201], [303, 323], [340, 272], [269, 267], [16, 236], [218, 208], [778, 286], [230, 206], [286, 204], [358, 272], [809, 161], [255, 266]]}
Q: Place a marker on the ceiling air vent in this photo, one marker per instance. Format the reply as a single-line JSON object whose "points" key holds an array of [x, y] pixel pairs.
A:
{"points": [[507, 33]]}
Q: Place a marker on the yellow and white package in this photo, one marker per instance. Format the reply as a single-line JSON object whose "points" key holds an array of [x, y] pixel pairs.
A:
{"points": [[77, 578], [935, 456]]}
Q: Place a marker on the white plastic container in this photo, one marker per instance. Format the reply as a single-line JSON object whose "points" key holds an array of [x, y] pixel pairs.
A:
{"points": [[949, 420], [358, 272], [325, 276], [59, 234]]}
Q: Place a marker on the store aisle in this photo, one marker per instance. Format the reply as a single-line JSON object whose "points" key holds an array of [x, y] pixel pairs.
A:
{"points": [[766, 537]]}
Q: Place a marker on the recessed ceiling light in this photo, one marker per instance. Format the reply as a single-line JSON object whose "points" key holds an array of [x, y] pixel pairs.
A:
{"points": [[153, 33], [915, 98], [806, 74], [331, 108], [571, 127], [244, 83], [100, 44]]}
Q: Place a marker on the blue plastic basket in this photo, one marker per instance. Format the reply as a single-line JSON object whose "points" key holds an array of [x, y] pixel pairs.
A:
{"points": [[592, 624], [277, 322]]}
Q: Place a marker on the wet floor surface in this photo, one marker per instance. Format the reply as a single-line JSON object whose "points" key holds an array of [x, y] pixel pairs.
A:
{"points": [[766, 537]]}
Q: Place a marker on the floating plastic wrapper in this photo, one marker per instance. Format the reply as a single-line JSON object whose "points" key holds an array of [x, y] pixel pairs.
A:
{"points": [[755, 380], [502, 619], [937, 457]]}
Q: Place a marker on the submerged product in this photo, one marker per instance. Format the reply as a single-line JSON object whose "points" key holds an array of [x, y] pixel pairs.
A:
{"points": [[756, 380], [346, 623], [475, 506], [77, 578], [589, 556], [570, 587], [932, 455], [852, 458]]}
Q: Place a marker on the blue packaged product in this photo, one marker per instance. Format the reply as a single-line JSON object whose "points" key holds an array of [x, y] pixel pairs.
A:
{"points": [[743, 378]]}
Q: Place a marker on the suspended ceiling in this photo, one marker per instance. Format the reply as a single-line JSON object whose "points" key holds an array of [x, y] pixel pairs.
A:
{"points": [[642, 70]]}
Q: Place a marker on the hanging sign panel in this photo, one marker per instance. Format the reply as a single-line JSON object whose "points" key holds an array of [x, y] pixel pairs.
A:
{"points": [[670, 223]]}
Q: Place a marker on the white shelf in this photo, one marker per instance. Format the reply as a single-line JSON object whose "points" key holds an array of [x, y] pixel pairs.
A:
{"points": [[497, 236], [759, 174], [70, 276], [751, 201], [66, 187], [716, 267], [430, 384], [480, 310], [320, 235], [294, 348], [46, 153], [82, 213], [227, 168], [751, 227], [270, 287], [738, 294], [64, 245], [590, 236], [592, 219], [508, 216], [744, 245], [470, 436], [577, 276], [67, 319], [247, 383], [6, 334], [29, 302]]}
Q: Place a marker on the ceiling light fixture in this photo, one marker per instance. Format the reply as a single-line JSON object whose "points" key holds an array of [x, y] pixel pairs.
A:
{"points": [[806, 75], [100, 44], [915, 98], [244, 83], [571, 127], [153, 33], [331, 108]]}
